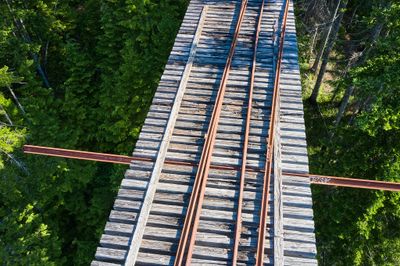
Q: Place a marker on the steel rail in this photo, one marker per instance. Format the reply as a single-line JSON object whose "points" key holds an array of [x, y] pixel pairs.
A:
{"points": [[270, 148], [212, 137], [196, 200], [238, 227]]}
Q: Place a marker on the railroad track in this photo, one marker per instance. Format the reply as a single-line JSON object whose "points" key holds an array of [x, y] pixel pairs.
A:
{"points": [[216, 104]]}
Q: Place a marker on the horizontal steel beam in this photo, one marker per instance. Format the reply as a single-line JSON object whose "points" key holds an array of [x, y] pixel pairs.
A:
{"points": [[118, 159], [81, 155], [121, 159], [349, 182]]}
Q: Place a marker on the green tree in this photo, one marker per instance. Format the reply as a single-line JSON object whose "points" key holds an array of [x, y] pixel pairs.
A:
{"points": [[353, 226], [86, 72]]}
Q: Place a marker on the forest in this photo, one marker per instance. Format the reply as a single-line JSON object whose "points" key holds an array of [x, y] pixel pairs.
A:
{"points": [[81, 75], [350, 65]]}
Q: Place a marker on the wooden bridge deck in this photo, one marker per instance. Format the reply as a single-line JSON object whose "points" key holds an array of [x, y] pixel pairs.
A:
{"points": [[145, 222]]}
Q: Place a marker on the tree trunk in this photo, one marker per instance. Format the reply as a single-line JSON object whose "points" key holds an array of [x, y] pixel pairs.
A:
{"points": [[365, 105], [350, 89], [312, 8], [327, 33], [343, 105], [353, 15], [18, 163], [313, 41], [327, 51], [352, 61], [314, 67], [19, 24], [376, 31], [357, 109], [17, 101], [6, 115]]}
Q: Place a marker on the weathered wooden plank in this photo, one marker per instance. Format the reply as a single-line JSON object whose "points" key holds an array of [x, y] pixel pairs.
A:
{"points": [[151, 188], [121, 229], [102, 263], [112, 241], [299, 239], [213, 245], [110, 255], [122, 217]]}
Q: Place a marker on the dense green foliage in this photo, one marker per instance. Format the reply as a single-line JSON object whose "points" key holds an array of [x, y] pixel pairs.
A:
{"points": [[357, 227], [73, 74], [81, 74]]}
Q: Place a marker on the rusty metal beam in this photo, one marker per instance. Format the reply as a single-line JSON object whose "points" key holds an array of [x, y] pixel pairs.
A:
{"points": [[121, 159], [118, 159], [348, 182], [81, 155]]}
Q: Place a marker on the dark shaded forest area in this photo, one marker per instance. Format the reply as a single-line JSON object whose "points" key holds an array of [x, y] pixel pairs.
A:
{"points": [[350, 62], [81, 75]]}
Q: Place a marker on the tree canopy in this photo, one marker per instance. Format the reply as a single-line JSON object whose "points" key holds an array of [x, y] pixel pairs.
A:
{"points": [[81, 75], [353, 128], [73, 74]]}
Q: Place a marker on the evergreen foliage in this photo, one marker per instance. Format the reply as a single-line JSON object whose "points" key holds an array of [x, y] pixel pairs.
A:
{"points": [[73, 74], [81, 74]]}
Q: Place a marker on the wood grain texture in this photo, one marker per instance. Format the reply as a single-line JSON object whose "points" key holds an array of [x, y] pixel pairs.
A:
{"points": [[145, 223]]}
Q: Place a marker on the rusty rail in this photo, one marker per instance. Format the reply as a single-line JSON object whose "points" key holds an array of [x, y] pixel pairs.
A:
{"points": [[192, 216], [270, 147], [238, 227]]}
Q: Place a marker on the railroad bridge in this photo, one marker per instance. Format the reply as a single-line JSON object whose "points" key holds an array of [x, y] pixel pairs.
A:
{"points": [[225, 125]]}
